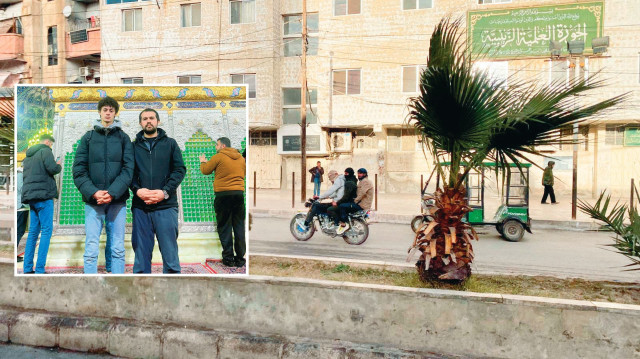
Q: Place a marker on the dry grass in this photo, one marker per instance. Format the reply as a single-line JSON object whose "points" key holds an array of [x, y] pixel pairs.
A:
{"points": [[579, 289]]}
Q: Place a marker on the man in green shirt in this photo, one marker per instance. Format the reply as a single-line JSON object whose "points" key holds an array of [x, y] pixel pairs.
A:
{"points": [[547, 182]]}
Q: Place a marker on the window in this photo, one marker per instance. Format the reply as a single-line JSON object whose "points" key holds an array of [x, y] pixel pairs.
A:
{"points": [[131, 80], [52, 45], [493, 1], [18, 26], [132, 20], [558, 71], [293, 34], [366, 139], [346, 82], [614, 135], [190, 15], [264, 138], [566, 134], [401, 140], [249, 79], [189, 79], [291, 101], [416, 4], [498, 71], [346, 7], [109, 2], [243, 11], [411, 78]]}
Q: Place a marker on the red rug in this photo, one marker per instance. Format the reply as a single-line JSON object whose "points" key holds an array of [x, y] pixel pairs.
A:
{"points": [[211, 266], [156, 268], [216, 266]]}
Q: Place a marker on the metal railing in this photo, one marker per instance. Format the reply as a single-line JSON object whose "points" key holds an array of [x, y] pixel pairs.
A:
{"points": [[85, 24]]}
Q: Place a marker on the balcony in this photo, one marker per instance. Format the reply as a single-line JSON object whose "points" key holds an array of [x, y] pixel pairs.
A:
{"points": [[11, 47], [84, 38]]}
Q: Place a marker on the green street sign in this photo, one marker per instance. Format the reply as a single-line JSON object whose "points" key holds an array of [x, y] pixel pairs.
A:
{"points": [[526, 32], [632, 136]]}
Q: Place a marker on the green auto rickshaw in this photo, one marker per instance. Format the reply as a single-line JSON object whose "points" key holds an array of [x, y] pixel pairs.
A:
{"points": [[511, 218]]}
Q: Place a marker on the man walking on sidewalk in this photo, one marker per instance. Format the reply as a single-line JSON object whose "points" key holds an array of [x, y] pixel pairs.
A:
{"points": [[158, 172], [102, 171], [39, 190], [229, 167], [547, 182]]}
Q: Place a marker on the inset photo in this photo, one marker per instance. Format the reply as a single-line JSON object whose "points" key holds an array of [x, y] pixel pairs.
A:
{"points": [[131, 179]]}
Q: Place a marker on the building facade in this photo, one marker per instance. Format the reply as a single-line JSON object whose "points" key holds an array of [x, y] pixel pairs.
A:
{"points": [[363, 62], [50, 41]]}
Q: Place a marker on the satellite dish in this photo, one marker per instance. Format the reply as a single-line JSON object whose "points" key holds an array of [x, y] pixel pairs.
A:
{"points": [[66, 11]]}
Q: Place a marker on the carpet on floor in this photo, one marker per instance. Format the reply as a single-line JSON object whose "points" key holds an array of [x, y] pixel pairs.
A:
{"points": [[156, 268], [217, 267]]}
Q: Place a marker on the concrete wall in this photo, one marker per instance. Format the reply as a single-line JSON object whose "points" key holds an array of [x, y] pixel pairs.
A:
{"points": [[421, 320]]}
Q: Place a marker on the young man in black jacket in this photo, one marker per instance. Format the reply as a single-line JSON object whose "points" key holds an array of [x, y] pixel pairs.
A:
{"points": [[158, 172], [38, 190], [102, 171]]}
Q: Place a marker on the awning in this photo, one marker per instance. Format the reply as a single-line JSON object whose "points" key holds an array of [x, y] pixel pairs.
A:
{"points": [[6, 107], [10, 80]]}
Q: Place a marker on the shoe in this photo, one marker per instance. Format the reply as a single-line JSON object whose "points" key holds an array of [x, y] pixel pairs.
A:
{"points": [[20, 259], [239, 263], [555, 202], [228, 263], [29, 273], [342, 229]]}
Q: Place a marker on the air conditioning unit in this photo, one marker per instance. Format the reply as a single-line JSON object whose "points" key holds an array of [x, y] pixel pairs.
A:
{"points": [[341, 142], [83, 71]]}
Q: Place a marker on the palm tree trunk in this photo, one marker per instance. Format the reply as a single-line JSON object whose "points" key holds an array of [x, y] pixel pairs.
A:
{"points": [[446, 242]]}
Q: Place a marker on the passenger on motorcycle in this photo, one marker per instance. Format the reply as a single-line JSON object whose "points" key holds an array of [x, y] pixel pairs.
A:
{"points": [[336, 191], [350, 192], [363, 201]]}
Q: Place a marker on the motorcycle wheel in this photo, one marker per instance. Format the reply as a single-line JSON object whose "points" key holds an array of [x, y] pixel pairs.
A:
{"points": [[297, 234], [358, 233], [419, 221]]}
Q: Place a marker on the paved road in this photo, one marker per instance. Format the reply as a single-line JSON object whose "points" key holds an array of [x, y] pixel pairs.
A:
{"points": [[546, 252]]}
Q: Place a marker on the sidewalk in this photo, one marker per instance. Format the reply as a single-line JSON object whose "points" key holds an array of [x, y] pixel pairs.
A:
{"points": [[402, 207]]}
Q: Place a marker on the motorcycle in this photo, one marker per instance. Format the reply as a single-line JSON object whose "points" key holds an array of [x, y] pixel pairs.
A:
{"points": [[357, 233], [427, 206]]}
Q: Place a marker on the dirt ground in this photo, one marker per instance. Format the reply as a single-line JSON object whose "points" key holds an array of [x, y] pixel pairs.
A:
{"points": [[579, 289]]}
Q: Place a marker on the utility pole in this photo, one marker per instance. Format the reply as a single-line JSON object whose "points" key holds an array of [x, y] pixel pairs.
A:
{"points": [[303, 103]]}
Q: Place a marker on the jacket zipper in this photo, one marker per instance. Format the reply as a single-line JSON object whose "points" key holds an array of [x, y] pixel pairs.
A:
{"points": [[106, 157]]}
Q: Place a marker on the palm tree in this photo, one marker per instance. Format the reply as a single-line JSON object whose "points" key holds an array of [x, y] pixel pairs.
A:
{"points": [[465, 118], [627, 239]]}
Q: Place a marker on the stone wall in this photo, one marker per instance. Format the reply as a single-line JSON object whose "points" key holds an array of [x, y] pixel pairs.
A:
{"points": [[420, 320]]}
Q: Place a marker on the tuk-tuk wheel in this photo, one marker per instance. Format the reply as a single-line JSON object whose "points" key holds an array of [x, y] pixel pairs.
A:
{"points": [[512, 230]]}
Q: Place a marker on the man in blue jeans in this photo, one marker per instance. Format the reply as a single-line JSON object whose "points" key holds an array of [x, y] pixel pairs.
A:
{"points": [[158, 172], [38, 190], [317, 173], [102, 171]]}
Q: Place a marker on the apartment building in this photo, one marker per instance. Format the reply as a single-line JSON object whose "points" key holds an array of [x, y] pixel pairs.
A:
{"points": [[51, 41]]}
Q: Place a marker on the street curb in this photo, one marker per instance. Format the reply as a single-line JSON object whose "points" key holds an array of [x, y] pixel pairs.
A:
{"points": [[406, 219]]}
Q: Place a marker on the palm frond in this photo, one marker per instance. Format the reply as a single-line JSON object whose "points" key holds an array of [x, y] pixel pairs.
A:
{"points": [[627, 240]]}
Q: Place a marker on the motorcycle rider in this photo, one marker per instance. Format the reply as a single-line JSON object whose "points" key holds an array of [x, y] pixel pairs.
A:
{"points": [[350, 192], [363, 201], [336, 191]]}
